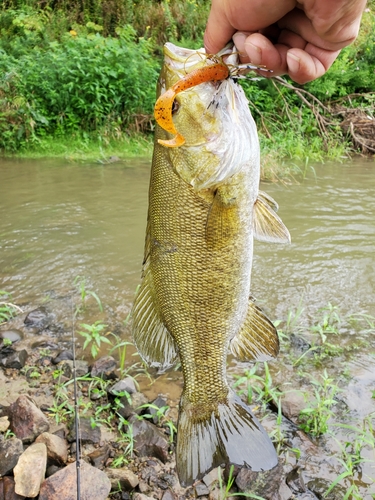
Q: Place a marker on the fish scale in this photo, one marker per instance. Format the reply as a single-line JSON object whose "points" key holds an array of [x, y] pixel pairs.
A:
{"points": [[194, 300]]}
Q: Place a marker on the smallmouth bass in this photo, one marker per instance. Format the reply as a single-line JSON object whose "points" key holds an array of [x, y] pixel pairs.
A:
{"points": [[194, 301]]}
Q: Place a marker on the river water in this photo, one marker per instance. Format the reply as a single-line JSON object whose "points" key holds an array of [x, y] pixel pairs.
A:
{"points": [[61, 220]]}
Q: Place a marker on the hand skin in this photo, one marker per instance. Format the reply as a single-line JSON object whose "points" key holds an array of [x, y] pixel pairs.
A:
{"points": [[301, 38]]}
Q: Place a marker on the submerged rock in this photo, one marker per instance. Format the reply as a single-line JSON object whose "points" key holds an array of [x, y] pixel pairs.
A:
{"points": [[30, 470], [264, 484], [63, 484], [26, 420], [10, 451], [39, 319]]}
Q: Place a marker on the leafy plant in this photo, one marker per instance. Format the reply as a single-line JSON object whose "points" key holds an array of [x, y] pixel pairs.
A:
{"points": [[314, 419], [94, 337], [7, 309], [80, 283]]}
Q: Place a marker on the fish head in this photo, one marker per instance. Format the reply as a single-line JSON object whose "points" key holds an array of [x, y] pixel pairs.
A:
{"points": [[212, 116]]}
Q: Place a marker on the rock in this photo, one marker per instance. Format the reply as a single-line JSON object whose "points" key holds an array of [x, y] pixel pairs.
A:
{"points": [[105, 368], [125, 385], [140, 496], [320, 486], [4, 424], [149, 441], [308, 495], [133, 406], [30, 470], [285, 493], [127, 479], [26, 420], [264, 484], [294, 480], [211, 477], [63, 484], [292, 402], [39, 319], [12, 335], [62, 356], [10, 451], [201, 490], [159, 402], [52, 469], [9, 489], [88, 435], [99, 457], [168, 495], [15, 359], [57, 448], [82, 368]]}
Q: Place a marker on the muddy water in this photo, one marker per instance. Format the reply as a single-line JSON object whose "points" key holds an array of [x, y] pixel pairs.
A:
{"points": [[59, 220]]}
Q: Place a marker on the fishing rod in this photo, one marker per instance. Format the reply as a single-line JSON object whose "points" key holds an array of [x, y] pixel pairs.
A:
{"points": [[76, 410]]}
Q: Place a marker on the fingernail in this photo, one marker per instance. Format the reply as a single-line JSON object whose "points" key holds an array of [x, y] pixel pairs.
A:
{"points": [[254, 52], [239, 41], [293, 62]]}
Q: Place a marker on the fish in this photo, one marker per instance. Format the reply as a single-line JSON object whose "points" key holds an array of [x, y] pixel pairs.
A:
{"points": [[194, 303]]}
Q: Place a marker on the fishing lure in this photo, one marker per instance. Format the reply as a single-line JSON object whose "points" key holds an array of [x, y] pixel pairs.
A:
{"points": [[164, 105]]}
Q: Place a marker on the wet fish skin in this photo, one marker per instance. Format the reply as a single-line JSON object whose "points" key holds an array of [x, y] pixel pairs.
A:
{"points": [[204, 206]]}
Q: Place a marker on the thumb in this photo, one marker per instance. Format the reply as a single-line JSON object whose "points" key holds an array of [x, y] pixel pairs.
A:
{"points": [[218, 31]]}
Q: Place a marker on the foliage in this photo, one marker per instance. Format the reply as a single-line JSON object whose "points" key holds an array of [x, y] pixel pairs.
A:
{"points": [[7, 309], [94, 337]]}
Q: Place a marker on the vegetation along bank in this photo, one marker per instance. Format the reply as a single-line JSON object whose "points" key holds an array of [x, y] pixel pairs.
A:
{"points": [[79, 79]]}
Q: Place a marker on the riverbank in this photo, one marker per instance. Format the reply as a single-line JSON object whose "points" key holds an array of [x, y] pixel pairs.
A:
{"points": [[319, 416]]}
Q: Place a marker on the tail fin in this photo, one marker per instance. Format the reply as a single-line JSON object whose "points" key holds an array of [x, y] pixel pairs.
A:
{"points": [[231, 434]]}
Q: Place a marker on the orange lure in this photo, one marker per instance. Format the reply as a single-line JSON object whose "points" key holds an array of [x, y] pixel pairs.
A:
{"points": [[163, 106]]}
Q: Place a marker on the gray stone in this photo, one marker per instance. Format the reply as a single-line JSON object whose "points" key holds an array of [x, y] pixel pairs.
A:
{"points": [[15, 359], [292, 403], [63, 484], [10, 451], [12, 335], [26, 420], [211, 477], [201, 490], [149, 441], [264, 484], [62, 356], [39, 319], [82, 368], [88, 435], [132, 405], [140, 496], [125, 385], [127, 479], [57, 448], [105, 368], [30, 470], [99, 457], [168, 495]]}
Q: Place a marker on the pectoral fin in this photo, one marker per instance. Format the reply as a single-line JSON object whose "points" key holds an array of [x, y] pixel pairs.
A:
{"points": [[222, 221], [257, 340], [152, 339], [267, 224]]}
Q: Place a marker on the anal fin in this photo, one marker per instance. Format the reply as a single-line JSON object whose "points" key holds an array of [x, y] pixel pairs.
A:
{"points": [[257, 339], [152, 339]]}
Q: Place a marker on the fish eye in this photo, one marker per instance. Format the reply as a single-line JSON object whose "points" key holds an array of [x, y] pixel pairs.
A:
{"points": [[175, 107]]}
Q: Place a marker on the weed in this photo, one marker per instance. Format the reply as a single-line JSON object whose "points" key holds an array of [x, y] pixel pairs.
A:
{"points": [[262, 386], [7, 309], [314, 419], [80, 283], [94, 337]]}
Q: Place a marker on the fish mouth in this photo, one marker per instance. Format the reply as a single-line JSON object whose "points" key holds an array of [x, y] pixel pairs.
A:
{"points": [[186, 60]]}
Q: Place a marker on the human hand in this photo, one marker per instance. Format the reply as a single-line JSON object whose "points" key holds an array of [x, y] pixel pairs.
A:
{"points": [[300, 38]]}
